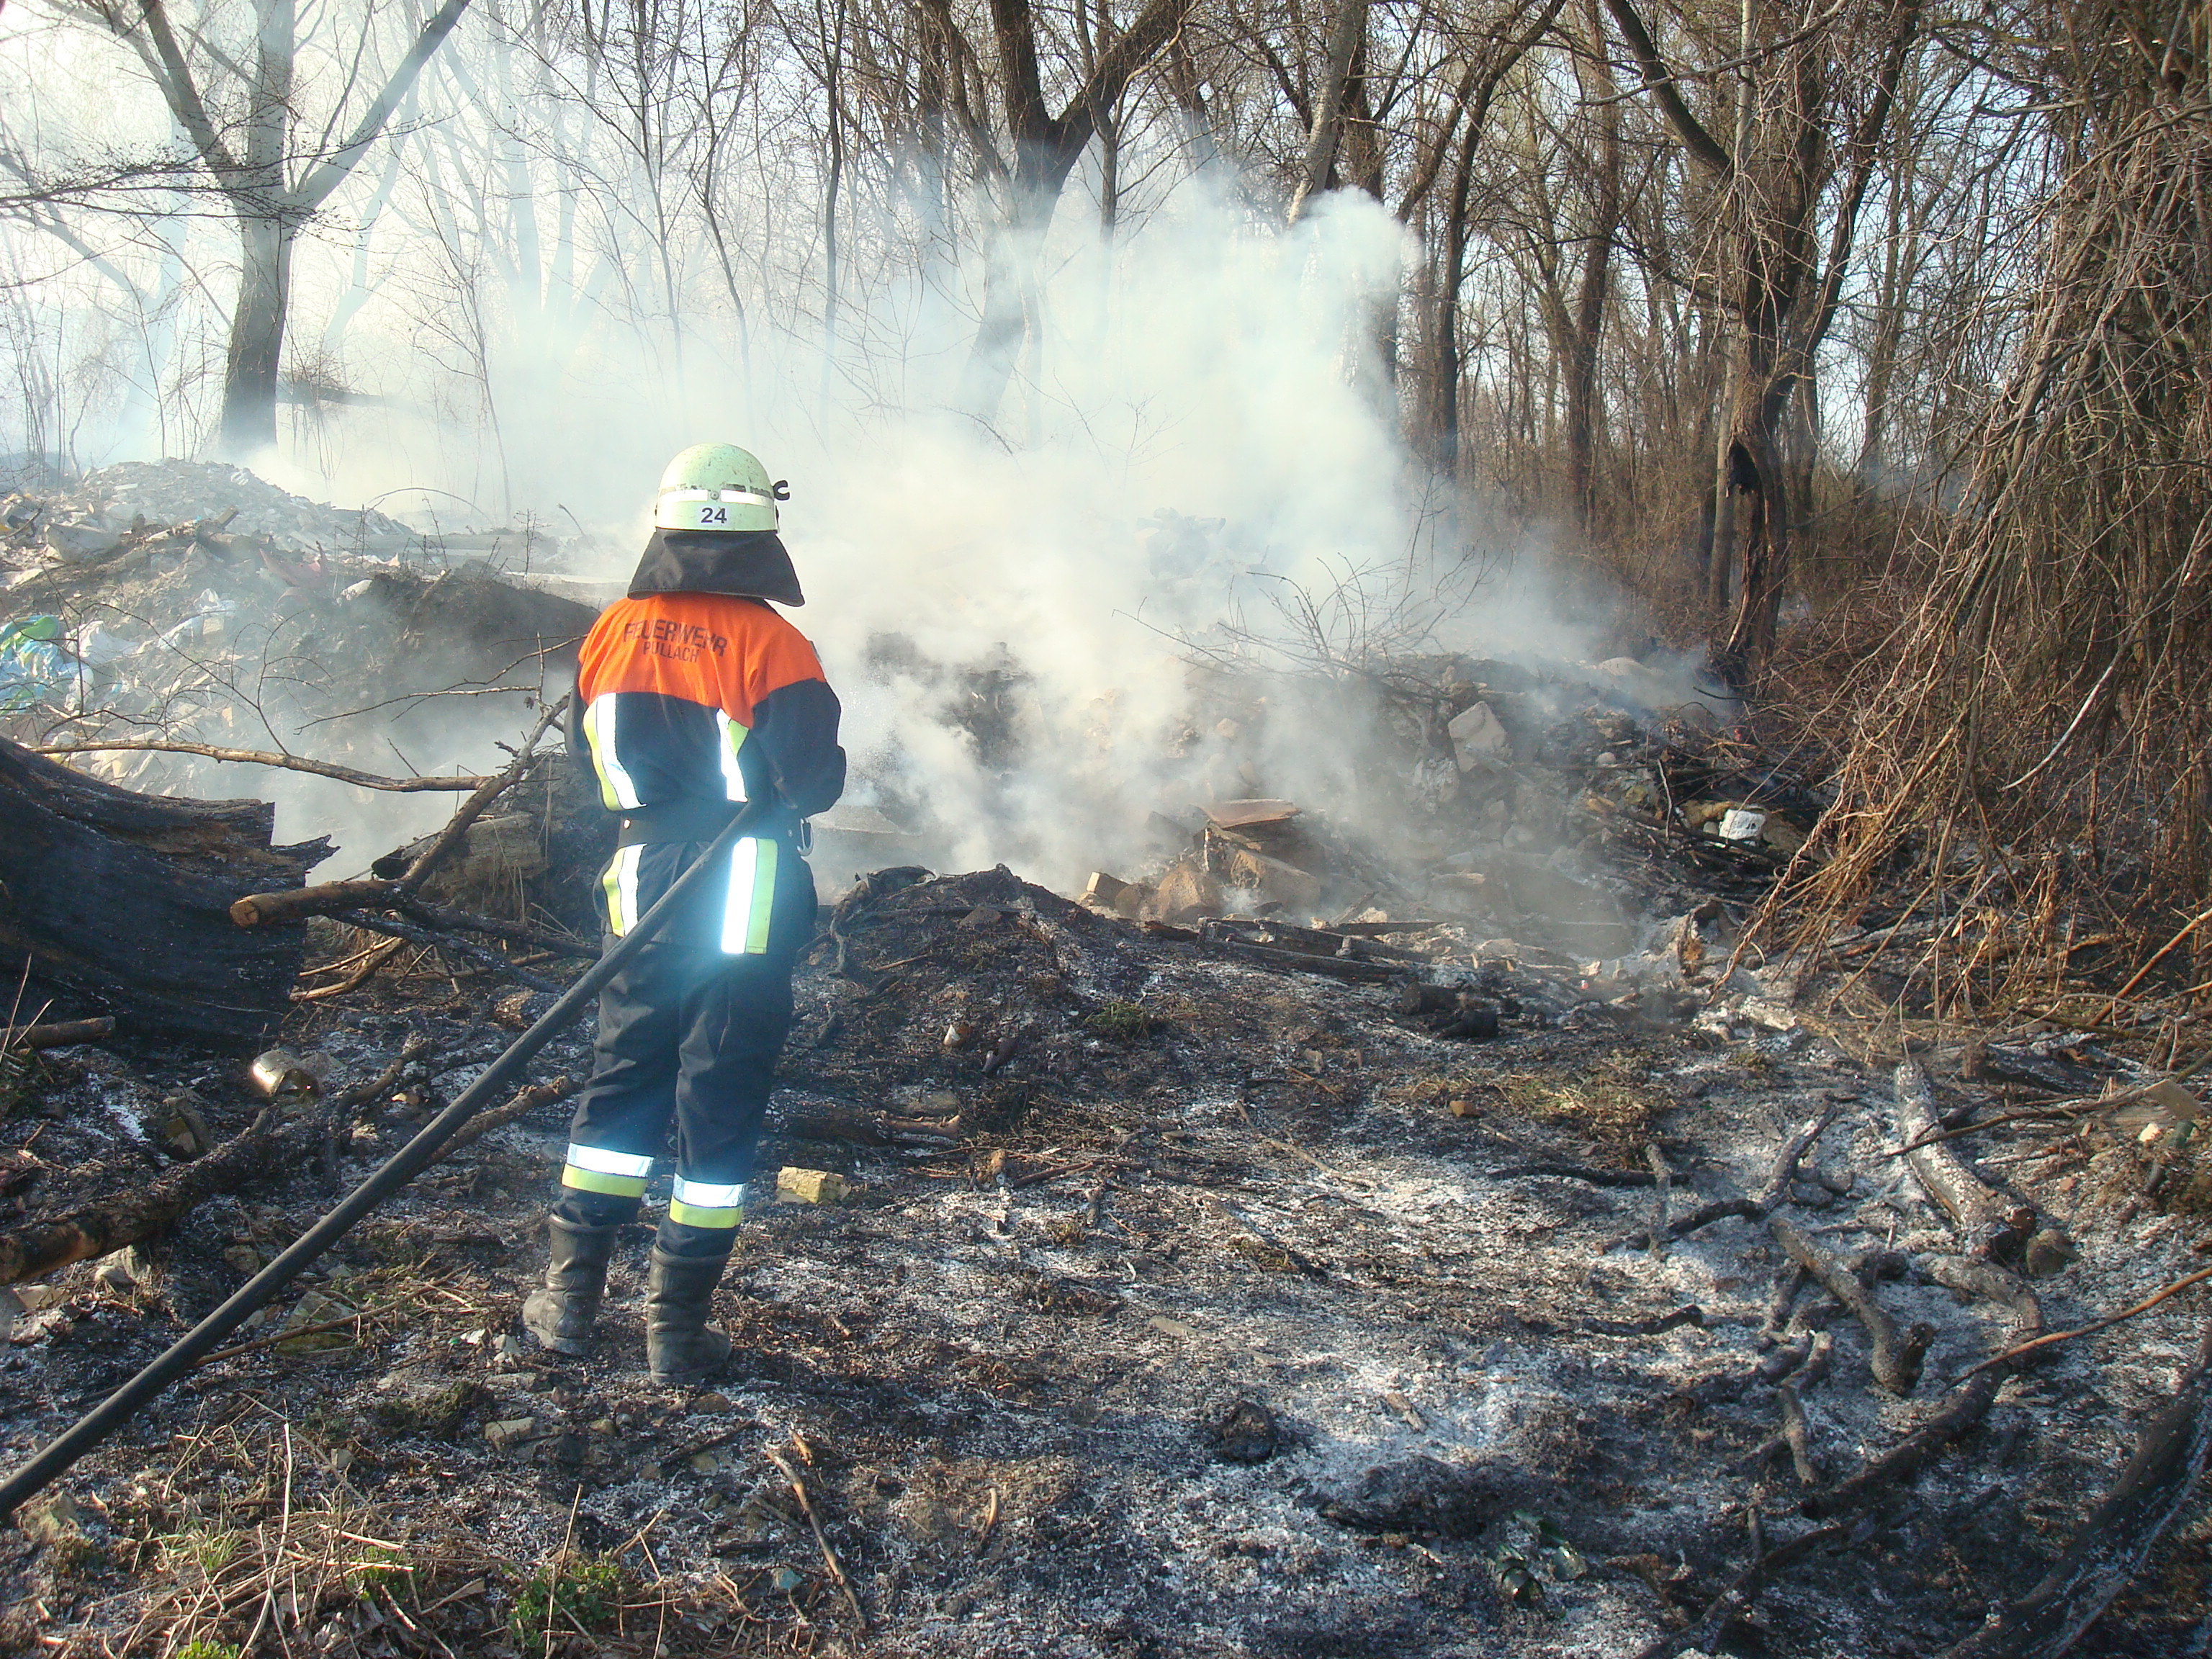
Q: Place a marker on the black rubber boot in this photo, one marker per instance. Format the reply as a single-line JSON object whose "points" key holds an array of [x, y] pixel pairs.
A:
{"points": [[561, 1314], [680, 1346]]}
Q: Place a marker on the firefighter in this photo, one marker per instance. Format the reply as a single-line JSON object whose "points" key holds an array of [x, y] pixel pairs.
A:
{"points": [[694, 699]]}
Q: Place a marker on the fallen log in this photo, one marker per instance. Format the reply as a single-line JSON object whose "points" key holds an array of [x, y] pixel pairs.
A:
{"points": [[60, 1033], [38, 1247], [1897, 1355], [525, 1101], [122, 899], [263, 1150], [1262, 956], [298, 903], [2114, 1541], [1992, 1227], [868, 1128]]}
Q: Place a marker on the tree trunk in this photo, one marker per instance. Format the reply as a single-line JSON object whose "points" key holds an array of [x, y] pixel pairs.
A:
{"points": [[1588, 323], [257, 331], [1009, 300], [114, 901], [1347, 30]]}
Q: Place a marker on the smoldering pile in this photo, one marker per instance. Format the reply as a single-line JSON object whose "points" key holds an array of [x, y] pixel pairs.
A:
{"points": [[89, 518], [197, 604]]}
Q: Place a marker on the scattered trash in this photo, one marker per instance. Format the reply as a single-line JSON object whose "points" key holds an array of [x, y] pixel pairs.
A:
{"points": [[1742, 823], [279, 1072], [31, 668]]}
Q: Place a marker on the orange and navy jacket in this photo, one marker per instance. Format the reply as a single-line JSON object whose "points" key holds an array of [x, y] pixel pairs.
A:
{"points": [[708, 697]]}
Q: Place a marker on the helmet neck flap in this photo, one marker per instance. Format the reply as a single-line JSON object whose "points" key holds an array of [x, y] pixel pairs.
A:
{"points": [[747, 564]]}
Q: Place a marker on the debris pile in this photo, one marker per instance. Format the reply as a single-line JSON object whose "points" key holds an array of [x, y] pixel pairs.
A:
{"points": [[93, 517]]}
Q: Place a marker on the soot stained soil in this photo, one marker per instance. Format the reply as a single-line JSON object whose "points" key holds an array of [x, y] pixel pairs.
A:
{"points": [[1186, 1307]]}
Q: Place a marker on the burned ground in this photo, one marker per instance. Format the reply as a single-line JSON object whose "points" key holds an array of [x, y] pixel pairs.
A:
{"points": [[1185, 1306], [1252, 1259]]}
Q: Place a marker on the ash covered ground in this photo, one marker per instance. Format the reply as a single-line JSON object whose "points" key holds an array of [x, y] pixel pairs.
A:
{"points": [[1231, 1312]]}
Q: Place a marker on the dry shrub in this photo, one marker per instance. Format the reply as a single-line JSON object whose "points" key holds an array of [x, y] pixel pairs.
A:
{"points": [[2034, 736]]}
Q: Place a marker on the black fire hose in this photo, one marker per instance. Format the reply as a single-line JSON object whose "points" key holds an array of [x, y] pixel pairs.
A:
{"points": [[410, 1161]]}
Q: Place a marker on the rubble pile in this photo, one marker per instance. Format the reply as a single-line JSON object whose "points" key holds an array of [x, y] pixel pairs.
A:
{"points": [[195, 635], [93, 516], [1537, 820], [88, 520]]}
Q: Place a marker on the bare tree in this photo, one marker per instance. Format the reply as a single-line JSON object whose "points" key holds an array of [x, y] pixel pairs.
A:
{"points": [[239, 109], [1781, 291]]}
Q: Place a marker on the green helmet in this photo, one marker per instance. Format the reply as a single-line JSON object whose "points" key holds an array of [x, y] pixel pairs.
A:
{"points": [[718, 487]]}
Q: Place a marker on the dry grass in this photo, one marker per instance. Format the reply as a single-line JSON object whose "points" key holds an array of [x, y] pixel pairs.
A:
{"points": [[249, 1544]]}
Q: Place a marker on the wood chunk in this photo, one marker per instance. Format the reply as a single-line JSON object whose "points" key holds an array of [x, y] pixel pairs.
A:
{"points": [[1994, 1228], [812, 1185], [123, 899], [61, 1033], [1185, 893], [1244, 814], [1274, 881], [1103, 891]]}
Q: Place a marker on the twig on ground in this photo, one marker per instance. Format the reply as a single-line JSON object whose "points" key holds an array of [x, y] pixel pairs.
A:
{"points": [[1968, 1403], [1897, 1357], [489, 960], [2055, 1337], [829, 1555]]}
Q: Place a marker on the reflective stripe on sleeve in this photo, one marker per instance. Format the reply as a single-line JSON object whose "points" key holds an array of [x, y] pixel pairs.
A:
{"points": [[616, 788], [705, 1204], [730, 738], [620, 885], [751, 903], [592, 1169]]}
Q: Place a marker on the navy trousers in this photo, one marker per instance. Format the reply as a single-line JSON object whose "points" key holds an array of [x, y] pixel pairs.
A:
{"points": [[689, 1034]]}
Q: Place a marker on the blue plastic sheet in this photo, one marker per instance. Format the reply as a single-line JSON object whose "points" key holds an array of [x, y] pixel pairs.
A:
{"points": [[33, 668]]}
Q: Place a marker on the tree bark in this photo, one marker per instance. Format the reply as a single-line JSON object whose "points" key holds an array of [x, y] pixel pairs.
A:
{"points": [[121, 901], [256, 334]]}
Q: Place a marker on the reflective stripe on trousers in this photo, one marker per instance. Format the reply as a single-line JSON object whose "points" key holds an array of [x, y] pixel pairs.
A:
{"points": [[592, 1169], [623, 1175], [748, 897], [705, 1204]]}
